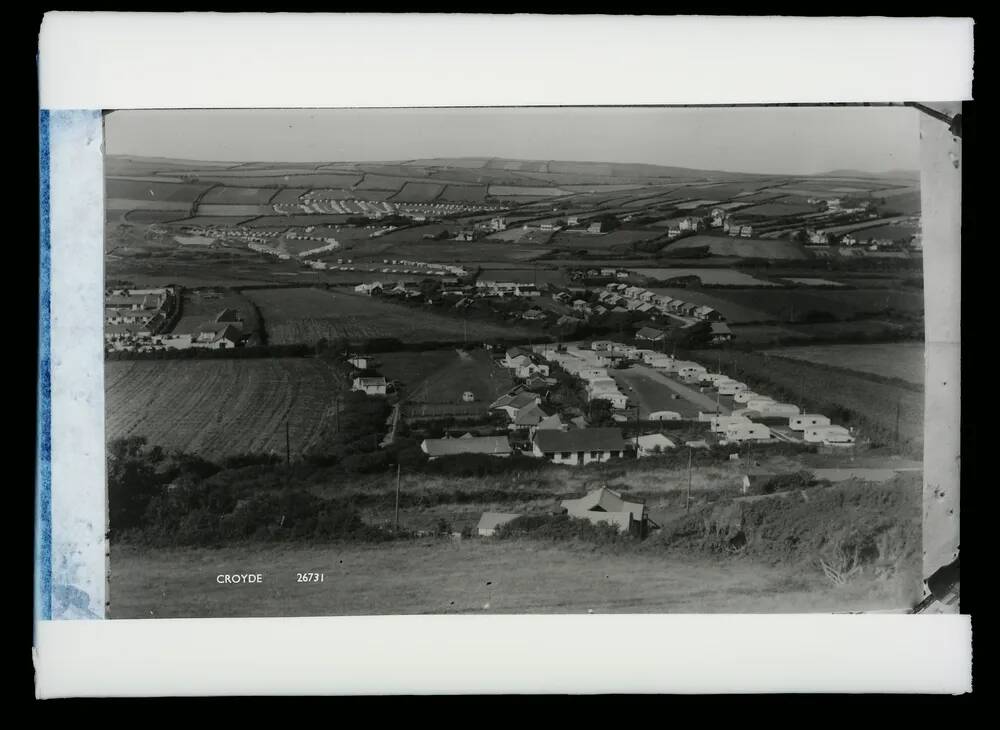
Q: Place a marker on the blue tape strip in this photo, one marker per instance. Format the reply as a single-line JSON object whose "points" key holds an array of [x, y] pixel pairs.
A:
{"points": [[43, 515]]}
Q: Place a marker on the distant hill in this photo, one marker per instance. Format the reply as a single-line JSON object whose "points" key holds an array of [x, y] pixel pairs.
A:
{"points": [[891, 174]]}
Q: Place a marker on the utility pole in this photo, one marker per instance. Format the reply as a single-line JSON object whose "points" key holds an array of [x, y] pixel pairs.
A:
{"points": [[687, 498], [897, 423], [288, 448], [396, 521]]}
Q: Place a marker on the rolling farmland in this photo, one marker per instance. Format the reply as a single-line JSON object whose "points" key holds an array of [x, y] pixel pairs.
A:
{"points": [[306, 315], [903, 360], [219, 408], [741, 247]]}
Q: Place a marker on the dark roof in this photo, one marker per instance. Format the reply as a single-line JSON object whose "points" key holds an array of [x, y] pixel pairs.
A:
{"points": [[721, 328], [648, 333], [583, 439], [229, 315]]}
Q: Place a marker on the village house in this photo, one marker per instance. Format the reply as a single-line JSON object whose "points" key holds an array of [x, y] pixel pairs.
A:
{"points": [[372, 289], [361, 362], [719, 333], [370, 386], [653, 444], [649, 334], [468, 444], [218, 337], [579, 446], [606, 506], [512, 403]]}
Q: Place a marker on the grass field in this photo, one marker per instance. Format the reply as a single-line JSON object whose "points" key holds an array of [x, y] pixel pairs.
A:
{"points": [[472, 576], [791, 305], [442, 376], [150, 191], [741, 247], [777, 210], [724, 277], [306, 315], [418, 192], [217, 408], [903, 360]]}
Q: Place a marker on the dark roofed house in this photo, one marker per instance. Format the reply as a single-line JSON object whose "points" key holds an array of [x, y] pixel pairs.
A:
{"points": [[720, 333], [512, 403], [491, 445], [649, 334], [579, 446]]}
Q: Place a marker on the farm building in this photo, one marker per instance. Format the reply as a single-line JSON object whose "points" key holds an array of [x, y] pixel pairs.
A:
{"points": [[490, 521], [467, 444], [664, 416], [579, 446], [720, 333], [828, 435], [370, 386], [807, 420], [371, 289], [739, 432], [649, 334], [359, 361], [606, 506], [652, 444], [218, 337]]}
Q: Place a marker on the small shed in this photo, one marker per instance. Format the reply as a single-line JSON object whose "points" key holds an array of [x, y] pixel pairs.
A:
{"points": [[490, 521]]}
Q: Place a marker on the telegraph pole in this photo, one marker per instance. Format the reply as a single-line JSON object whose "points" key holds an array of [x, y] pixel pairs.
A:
{"points": [[687, 497], [396, 521], [897, 423], [288, 448]]}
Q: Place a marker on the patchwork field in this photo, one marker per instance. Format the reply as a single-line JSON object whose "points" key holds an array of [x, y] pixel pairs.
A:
{"points": [[903, 360], [418, 192], [228, 195], [307, 315], [219, 408]]}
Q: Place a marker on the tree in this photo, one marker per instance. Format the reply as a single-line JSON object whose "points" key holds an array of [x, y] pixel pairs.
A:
{"points": [[132, 482]]}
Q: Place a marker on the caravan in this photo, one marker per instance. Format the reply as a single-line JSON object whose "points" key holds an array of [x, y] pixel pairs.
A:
{"points": [[719, 424], [807, 420], [730, 387], [829, 436], [739, 432]]}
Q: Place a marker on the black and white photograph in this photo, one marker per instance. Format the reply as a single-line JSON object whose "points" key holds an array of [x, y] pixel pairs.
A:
{"points": [[517, 360]]}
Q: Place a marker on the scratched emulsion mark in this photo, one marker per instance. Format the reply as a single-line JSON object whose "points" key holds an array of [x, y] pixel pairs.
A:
{"points": [[76, 561], [43, 508]]}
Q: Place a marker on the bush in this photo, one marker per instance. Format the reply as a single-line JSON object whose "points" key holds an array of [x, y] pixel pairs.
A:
{"points": [[561, 528]]}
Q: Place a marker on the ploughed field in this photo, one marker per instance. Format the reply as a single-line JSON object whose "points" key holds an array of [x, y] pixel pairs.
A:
{"points": [[219, 408], [306, 315]]}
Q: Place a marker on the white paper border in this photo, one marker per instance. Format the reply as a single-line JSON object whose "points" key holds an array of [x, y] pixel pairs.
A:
{"points": [[202, 60]]}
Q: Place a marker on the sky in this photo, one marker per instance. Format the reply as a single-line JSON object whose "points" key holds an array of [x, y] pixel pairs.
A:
{"points": [[779, 140]]}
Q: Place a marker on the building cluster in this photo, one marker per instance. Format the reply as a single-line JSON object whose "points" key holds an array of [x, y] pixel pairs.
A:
{"points": [[136, 319], [133, 316], [635, 298]]}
